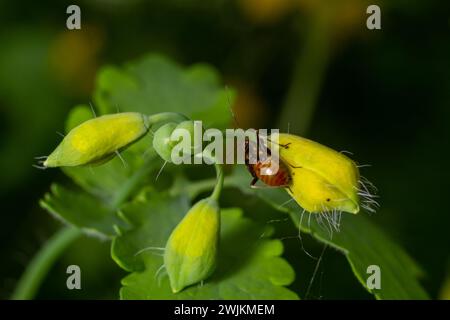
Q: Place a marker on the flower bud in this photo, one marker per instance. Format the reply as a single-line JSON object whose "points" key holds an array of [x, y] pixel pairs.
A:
{"points": [[97, 140], [322, 178], [189, 127], [178, 140], [191, 250], [162, 143]]}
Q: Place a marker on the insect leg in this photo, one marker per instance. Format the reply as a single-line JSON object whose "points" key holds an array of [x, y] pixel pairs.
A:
{"points": [[253, 186], [253, 183]]}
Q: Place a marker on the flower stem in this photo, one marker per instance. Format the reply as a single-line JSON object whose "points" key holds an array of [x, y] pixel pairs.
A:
{"points": [[219, 183], [38, 268], [165, 117], [219, 173], [132, 183], [55, 246], [43, 261]]}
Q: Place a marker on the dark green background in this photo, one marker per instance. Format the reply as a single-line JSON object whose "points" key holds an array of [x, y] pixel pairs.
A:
{"points": [[384, 95]]}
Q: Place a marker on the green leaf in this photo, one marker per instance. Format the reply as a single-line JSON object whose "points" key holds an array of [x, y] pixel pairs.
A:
{"points": [[359, 239], [82, 210], [150, 85], [77, 116], [249, 266], [107, 180], [155, 84]]}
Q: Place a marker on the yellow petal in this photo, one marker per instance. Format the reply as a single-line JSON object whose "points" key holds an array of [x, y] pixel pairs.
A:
{"points": [[322, 178]]}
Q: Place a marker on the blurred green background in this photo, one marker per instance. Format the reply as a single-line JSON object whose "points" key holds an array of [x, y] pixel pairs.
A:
{"points": [[311, 65]]}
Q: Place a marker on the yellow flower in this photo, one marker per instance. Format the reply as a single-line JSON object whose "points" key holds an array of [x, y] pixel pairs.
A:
{"points": [[97, 140], [191, 250], [322, 178]]}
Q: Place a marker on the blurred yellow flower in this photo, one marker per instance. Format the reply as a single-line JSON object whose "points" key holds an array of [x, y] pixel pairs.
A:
{"points": [[265, 11], [73, 58]]}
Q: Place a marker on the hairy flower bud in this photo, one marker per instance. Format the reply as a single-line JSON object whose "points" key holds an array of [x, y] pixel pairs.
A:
{"points": [[191, 250], [322, 178], [97, 140]]}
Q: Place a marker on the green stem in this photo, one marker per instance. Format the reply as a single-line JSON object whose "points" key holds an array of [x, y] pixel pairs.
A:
{"points": [[194, 188], [55, 246], [166, 117], [132, 183], [38, 268], [219, 184], [219, 172]]}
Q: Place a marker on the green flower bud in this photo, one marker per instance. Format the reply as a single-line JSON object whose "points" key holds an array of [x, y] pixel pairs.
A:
{"points": [[97, 140], [189, 127], [182, 135], [191, 250], [162, 143], [188, 139]]}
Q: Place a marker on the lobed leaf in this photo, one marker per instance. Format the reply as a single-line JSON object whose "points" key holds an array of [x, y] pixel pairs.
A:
{"points": [[82, 210], [359, 239], [249, 266], [155, 84], [150, 85]]}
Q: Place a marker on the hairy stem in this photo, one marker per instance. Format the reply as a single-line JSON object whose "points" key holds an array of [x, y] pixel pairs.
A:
{"points": [[41, 264]]}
